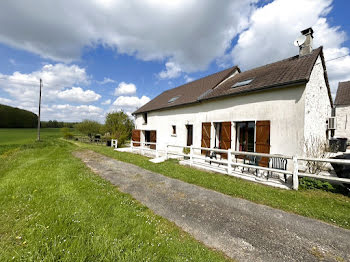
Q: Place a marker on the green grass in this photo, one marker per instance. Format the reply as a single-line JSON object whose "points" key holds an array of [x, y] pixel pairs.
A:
{"points": [[16, 136], [53, 208], [330, 207]]}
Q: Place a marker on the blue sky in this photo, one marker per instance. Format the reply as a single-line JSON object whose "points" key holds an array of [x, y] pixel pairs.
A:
{"points": [[98, 56]]}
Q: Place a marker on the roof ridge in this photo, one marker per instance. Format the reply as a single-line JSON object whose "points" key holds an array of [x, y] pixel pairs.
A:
{"points": [[283, 60]]}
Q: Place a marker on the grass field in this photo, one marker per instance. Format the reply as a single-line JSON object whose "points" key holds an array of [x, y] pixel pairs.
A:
{"points": [[53, 208], [16, 136], [330, 207]]}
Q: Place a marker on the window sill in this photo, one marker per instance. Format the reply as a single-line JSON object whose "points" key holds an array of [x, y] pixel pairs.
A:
{"points": [[174, 135]]}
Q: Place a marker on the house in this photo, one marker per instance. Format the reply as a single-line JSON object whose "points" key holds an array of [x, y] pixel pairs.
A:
{"points": [[342, 105], [275, 108]]}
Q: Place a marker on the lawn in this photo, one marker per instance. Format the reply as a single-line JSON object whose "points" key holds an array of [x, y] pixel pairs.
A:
{"points": [[53, 208], [330, 207]]}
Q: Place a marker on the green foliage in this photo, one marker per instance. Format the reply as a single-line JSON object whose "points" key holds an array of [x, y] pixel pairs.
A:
{"points": [[186, 150], [89, 127], [310, 183], [12, 117], [119, 126], [67, 134]]}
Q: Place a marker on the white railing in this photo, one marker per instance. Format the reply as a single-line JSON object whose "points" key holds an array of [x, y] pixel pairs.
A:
{"points": [[114, 143], [229, 162], [143, 147]]}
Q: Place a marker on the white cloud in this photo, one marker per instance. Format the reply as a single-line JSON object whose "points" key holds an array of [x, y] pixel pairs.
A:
{"points": [[125, 89], [106, 80], [107, 102], [129, 103], [273, 28], [172, 70], [58, 82], [67, 112], [188, 79], [190, 33], [76, 94]]}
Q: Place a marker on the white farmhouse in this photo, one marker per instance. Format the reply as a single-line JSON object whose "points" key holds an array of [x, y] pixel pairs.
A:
{"points": [[273, 109], [342, 105]]}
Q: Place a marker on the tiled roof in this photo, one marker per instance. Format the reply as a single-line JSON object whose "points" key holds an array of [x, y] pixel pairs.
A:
{"points": [[343, 94], [187, 93], [291, 71]]}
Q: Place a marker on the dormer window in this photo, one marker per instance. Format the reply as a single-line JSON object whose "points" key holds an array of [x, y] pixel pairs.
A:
{"points": [[242, 83], [144, 115], [172, 100]]}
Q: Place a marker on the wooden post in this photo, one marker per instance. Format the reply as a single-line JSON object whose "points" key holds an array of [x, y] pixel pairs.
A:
{"points": [[166, 152], [229, 161], [131, 145], [157, 153], [191, 155], [295, 173], [142, 151], [41, 83]]}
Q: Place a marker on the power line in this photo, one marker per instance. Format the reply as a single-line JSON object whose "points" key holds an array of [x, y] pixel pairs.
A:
{"points": [[337, 58]]}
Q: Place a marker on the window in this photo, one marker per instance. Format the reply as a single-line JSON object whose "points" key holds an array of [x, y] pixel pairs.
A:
{"points": [[243, 83], [172, 100], [144, 115], [245, 136], [174, 130]]}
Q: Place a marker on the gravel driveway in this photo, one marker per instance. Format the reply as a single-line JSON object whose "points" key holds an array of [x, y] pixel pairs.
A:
{"points": [[241, 229]]}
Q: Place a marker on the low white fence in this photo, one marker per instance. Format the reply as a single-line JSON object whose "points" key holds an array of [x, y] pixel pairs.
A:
{"points": [[229, 163]]}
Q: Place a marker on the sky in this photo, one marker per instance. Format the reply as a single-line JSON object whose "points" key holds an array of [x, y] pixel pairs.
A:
{"points": [[100, 56]]}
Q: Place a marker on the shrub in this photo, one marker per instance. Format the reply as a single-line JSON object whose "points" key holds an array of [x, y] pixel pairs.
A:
{"points": [[66, 133], [186, 150], [119, 126], [88, 127], [316, 148], [310, 183]]}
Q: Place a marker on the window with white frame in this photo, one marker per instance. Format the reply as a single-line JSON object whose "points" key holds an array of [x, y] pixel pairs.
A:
{"points": [[173, 127]]}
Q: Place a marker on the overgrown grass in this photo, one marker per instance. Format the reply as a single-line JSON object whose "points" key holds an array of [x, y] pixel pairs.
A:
{"points": [[329, 207], [53, 208]]}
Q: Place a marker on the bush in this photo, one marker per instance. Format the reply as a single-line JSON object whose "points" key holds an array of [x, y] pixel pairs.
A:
{"points": [[89, 127], [310, 183], [66, 133], [186, 150], [119, 126]]}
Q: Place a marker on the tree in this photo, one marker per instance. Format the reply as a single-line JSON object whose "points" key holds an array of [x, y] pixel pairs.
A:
{"points": [[88, 127], [119, 125]]}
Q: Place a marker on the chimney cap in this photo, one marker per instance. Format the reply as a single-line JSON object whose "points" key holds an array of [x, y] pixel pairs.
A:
{"points": [[308, 31]]}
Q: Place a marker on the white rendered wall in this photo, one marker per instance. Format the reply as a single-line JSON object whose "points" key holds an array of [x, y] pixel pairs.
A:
{"points": [[343, 118], [284, 107], [317, 104]]}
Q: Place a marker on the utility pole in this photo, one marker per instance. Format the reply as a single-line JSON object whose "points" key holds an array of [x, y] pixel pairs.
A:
{"points": [[41, 83]]}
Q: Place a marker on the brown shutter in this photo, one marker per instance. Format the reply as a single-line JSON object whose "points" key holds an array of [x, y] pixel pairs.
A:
{"points": [[225, 137], [205, 136], [263, 140], [136, 136], [153, 138]]}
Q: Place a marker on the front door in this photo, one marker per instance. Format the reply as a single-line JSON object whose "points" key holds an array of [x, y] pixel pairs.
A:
{"points": [[263, 140]]}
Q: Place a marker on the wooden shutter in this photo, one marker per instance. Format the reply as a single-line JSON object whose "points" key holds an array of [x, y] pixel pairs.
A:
{"points": [[225, 137], [206, 127], [136, 136], [263, 140], [153, 138]]}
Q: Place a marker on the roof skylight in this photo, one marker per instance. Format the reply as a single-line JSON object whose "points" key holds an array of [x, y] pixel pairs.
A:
{"points": [[172, 100], [243, 83]]}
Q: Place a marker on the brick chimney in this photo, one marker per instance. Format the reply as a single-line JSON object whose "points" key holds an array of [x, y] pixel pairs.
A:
{"points": [[306, 47]]}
